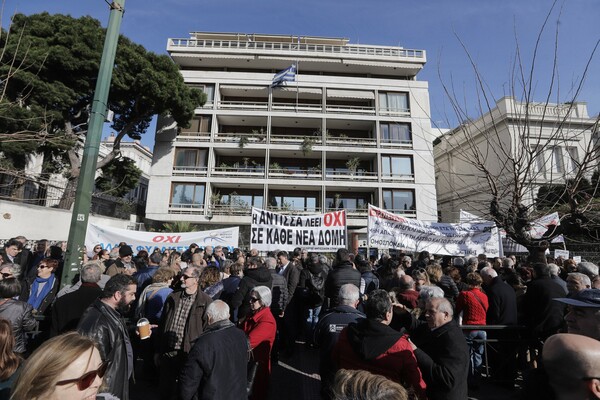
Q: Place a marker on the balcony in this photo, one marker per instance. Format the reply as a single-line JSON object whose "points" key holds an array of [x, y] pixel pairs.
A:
{"points": [[227, 209], [284, 173], [184, 136], [348, 109], [398, 178], [295, 139], [395, 143], [243, 105], [252, 46], [239, 172], [178, 208], [296, 107], [353, 213], [189, 171], [348, 175], [346, 141], [285, 209], [242, 139]]}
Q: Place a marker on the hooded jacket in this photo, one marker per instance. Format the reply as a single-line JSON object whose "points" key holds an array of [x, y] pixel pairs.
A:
{"points": [[340, 275], [375, 347], [260, 276]]}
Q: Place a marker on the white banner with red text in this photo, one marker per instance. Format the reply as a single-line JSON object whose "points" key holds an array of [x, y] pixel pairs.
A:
{"points": [[390, 231], [321, 232], [109, 238]]}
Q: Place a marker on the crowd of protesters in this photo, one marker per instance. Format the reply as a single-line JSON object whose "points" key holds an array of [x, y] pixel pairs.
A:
{"points": [[402, 326]]}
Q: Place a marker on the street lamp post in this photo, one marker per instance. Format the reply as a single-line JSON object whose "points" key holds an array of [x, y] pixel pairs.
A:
{"points": [[85, 184]]}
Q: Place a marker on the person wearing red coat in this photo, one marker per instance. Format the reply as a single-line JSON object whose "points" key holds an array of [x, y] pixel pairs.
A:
{"points": [[371, 344], [473, 304], [260, 328]]}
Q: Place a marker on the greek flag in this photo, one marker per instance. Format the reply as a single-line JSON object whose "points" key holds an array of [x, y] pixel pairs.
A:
{"points": [[287, 75]]}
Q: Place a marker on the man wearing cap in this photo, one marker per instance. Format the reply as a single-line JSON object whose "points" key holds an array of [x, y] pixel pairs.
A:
{"points": [[123, 264], [583, 316]]}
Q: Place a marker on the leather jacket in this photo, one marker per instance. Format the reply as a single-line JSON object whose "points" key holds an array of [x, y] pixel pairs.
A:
{"points": [[106, 326], [20, 315]]}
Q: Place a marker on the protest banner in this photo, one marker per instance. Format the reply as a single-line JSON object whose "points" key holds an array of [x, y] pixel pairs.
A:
{"points": [[109, 238], [561, 253], [387, 230], [320, 232], [467, 217]]}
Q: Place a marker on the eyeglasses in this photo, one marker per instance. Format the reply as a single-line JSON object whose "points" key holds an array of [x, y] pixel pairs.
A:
{"points": [[86, 380], [43, 266], [253, 299], [6, 274], [186, 277]]}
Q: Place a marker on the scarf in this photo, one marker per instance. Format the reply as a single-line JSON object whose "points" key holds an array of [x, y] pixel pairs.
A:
{"points": [[35, 298]]}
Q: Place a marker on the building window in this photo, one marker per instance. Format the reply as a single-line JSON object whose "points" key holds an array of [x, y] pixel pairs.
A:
{"points": [[573, 159], [348, 201], [393, 102], [538, 162], [557, 160], [397, 166], [399, 200], [395, 133], [208, 89], [199, 124], [241, 200], [297, 203], [187, 195], [190, 158]]}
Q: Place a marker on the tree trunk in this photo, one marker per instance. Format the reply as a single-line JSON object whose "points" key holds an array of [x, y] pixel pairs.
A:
{"points": [[68, 196]]}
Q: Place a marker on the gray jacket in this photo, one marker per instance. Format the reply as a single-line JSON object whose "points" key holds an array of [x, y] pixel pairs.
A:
{"points": [[21, 318]]}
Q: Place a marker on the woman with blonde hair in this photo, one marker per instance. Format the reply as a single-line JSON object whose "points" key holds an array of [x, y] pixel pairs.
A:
{"points": [[66, 367], [363, 385], [9, 360]]}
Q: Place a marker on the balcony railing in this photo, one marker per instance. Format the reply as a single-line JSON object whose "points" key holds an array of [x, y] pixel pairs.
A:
{"points": [[230, 209], [189, 171], [396, 143], [394, 111], [347, 175], [243, 105], [351, 142], [178, 208], [294, 210], [248, 138], [193, 136], [344, 109], [297, 107], [353, 213], [295, 174], [294, 139], [398, 177], [239, 172], [380, 51]]}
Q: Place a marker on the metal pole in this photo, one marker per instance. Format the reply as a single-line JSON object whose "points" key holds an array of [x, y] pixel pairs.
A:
{"points": [[85, 184]]}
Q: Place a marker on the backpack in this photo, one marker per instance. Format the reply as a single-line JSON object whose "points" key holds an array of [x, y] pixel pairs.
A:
{"points": [[315, 285]]}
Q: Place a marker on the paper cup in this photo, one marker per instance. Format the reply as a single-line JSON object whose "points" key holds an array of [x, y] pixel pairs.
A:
{"points": [[143, 326]]}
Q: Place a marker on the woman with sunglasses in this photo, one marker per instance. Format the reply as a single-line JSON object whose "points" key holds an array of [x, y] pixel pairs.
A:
{"points": [[260, 327], [10, 270], [66, 367], [41, 291]]}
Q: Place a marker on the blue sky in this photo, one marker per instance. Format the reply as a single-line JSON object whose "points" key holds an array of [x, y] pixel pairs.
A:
{"points": [[488, 28]]}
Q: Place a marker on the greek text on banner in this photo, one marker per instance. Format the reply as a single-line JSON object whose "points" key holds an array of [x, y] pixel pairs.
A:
{"points": [[387, 230], [109, 238], [320, 232]]}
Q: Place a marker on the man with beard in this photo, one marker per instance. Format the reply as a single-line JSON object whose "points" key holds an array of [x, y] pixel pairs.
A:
{"points": [[103, 322]]}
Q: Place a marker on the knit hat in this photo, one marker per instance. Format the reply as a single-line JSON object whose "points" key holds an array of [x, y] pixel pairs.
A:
{"points": [[125, 251]]}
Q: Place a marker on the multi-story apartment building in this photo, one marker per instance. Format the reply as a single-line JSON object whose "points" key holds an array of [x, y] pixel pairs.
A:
{"points": [[352, 129], [521, 146]]}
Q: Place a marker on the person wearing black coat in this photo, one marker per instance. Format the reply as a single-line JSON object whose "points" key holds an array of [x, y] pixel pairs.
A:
{"points": [[443, 353], [343, 272], [216, 366], [103, 322], [255, 274], [68, 309]]}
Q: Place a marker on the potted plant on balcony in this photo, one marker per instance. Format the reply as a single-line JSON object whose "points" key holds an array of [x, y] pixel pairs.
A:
{"points": [[244, 140], [215, 200], [274, 167], [352, 164], [307, 144], [259, 134]]}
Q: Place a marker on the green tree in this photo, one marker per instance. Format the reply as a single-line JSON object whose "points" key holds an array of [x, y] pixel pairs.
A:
{"points": [[49, 84], [118, 177]]}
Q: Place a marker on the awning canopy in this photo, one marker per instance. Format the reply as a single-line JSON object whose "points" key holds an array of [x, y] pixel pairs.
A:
{"points": [[350, 94]]}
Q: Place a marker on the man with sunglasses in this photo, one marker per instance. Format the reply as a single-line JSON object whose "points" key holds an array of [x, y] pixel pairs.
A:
{"points": [[103, 322], [182, 321]]}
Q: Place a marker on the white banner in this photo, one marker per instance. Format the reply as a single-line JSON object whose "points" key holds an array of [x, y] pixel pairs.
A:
{"points": [[387, 230], [320, 232], [109, 238], [466, 217]]}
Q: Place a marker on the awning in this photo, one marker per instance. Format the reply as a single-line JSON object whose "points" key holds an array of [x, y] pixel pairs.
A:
{"points": [[350, 94]]}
